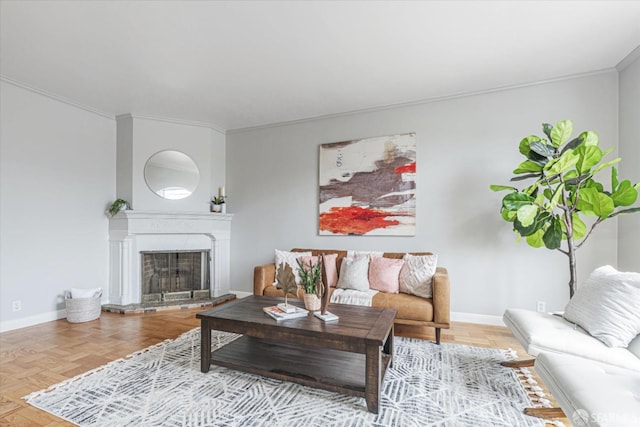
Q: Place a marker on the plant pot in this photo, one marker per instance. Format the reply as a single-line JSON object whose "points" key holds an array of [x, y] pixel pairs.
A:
{"points": [[311, 302], [216, 208]]}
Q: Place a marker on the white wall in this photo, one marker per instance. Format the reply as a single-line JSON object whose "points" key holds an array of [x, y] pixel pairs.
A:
{"points": [[464, 145], [141, 137], [629, 225], [58, 166]]}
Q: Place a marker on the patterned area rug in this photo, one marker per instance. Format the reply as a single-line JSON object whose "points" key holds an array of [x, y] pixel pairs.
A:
{"points": [[429, 385]]}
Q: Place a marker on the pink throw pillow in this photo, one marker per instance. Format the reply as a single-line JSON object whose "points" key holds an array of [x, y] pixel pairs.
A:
{"points": [[384, 274], [331, 269], [306, 260]]}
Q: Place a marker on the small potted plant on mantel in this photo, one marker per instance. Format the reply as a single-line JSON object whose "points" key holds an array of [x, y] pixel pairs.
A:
{"points": [[216, 203], [311, 281]]}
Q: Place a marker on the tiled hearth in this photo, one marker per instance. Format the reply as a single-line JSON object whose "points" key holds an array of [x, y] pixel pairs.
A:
{"points": [[159, 306]]}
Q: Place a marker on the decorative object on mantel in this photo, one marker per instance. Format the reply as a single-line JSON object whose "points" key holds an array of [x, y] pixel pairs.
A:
{"points": [[117, 206], [368, 186], [310, 272], [554, 207], [286, 281], [466, 386], [217, 202]]}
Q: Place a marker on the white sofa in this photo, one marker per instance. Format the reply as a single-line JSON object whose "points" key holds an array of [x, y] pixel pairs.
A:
{"points": [[595, 385]]}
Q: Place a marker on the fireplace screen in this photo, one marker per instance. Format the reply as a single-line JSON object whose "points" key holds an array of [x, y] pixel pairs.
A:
{"points": [[171, 276]]}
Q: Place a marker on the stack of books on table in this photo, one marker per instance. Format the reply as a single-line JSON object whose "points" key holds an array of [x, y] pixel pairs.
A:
{"points": [[278, 314]]}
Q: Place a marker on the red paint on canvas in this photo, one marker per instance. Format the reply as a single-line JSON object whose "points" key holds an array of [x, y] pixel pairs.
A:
{"points": [[410, 168], [354, 220]]}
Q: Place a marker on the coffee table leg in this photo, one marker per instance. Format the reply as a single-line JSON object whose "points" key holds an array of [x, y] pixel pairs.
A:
{"points": [[388, 347], [372, 381], [205, 346]]}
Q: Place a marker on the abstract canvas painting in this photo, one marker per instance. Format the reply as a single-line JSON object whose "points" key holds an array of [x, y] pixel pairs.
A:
{"points": [[368, 186]]}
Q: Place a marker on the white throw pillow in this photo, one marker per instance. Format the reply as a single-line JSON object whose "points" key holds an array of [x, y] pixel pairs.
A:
{"points": [[607, 306], [290, 258], [367, 254], [354, 274], [416, 276], [84, 293]]}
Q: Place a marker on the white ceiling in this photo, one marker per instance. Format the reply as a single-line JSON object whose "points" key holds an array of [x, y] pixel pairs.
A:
{"points": [[242, 64]]}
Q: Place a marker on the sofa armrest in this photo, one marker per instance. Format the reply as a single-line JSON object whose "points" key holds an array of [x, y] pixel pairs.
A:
{"points": [[263, 276], [441, 296]]}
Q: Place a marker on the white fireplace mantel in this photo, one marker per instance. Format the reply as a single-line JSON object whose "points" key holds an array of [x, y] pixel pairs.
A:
{"points": [[131, 232]]}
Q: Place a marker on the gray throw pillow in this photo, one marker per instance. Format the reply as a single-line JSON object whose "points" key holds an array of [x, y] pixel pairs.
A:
{"points": [[607, 306], [354, 274]]}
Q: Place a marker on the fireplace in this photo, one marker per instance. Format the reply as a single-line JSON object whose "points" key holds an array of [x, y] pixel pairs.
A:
{"points": [[196, 261], [174, 275]]}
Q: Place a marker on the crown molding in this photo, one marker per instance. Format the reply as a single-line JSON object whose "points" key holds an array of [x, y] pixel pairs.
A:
{"points": [[55, 97], [170, 120], [420, 101], [629, 59]]}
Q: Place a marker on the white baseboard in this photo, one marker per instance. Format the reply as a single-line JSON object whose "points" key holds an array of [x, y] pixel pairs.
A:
{"points": [[24, 322], [240, 294], [10, 325], [484, 319]]}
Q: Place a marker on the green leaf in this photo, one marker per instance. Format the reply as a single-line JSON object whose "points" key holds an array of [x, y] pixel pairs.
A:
{"points": [[556, 197], [589, 137], [528, 166], [590, 155], [552, 237], [561, 132], [572, 145], [514, 201], [502, 187], [625, 212], [525, 144], [546, 128], [527, 176], [535, 239], [527, 214], [614, 179], [594, 203], [562, 163], [508, 215], [625, 194], [605, 165], [579, 227], [542, 148]]}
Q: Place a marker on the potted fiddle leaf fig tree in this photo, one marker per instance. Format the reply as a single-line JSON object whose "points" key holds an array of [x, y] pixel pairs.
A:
{"points": [[563, 202]]}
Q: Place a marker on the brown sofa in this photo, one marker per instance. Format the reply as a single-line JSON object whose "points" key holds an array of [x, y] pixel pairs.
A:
{"points": [[412, 310]]}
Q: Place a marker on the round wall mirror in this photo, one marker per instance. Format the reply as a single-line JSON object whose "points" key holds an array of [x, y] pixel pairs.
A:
{"points": [[171, 174]]}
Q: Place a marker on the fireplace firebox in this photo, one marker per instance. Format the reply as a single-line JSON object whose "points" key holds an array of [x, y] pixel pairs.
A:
{"points": [[175, 275]]}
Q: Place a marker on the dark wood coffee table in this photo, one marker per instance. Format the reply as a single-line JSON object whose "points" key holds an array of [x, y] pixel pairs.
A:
{"points": [[348, 356]]}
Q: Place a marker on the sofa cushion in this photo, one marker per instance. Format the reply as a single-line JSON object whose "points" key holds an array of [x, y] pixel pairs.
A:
{"points": [[607, 306], [330, 269], [416, 276], [384, 274], [409, 307], [591, 393], [354, 274], [539, 332]]}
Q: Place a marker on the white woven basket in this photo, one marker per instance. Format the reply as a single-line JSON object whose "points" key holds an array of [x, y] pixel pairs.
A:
{"points": [[82, 309]]}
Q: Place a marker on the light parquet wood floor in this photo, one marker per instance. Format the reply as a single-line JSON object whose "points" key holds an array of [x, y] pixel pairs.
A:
{"points": [[36, 357]]}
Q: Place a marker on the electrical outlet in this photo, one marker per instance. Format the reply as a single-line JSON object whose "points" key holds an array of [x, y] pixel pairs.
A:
{"points": [[541, 307], [16, 305]]}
